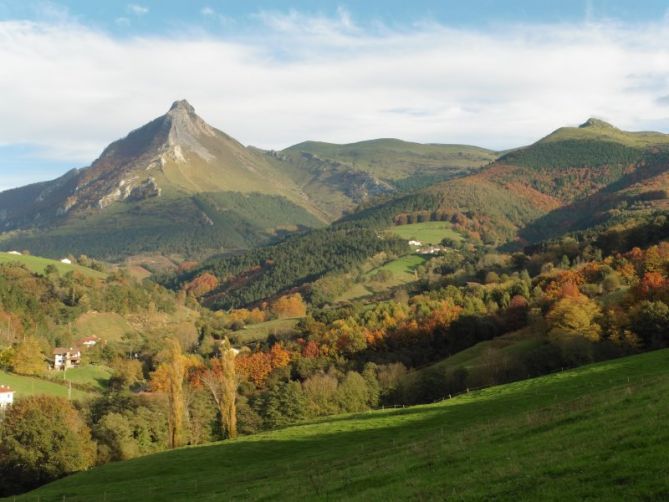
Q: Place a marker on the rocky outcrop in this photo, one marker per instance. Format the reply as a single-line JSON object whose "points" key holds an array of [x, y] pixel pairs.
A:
{"points": [[131, 190]]}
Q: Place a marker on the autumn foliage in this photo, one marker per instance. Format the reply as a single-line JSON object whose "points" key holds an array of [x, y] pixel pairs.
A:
{"points": [[202, 284], [289, 306]]}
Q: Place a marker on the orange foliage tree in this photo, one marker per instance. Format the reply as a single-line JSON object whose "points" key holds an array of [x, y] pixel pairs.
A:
{"points": [[202, 284], [289, 306]]}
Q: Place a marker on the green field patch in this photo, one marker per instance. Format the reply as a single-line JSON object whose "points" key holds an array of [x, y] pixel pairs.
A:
{"points": [[379, 279], [93, 375], [38, 265], [597, 432], [429, 232], [106, 325], [260, 332], [512, 345], [31, 386]]}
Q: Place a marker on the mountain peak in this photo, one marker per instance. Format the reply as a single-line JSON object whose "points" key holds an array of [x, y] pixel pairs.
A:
{"points": [[596, 123], [182, 105]]}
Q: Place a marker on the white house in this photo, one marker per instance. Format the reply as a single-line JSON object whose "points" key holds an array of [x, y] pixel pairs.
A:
{"points": [[65, 358], [66, 261], [415, 243], [15, 253], [6, 396]]}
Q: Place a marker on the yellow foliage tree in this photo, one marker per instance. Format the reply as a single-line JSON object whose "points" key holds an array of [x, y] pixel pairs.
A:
{"points": [[221, 380], [575, 316], [28, 358]]}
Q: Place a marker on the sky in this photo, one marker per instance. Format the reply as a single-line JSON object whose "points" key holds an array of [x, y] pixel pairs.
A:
{"points": [[76, 75]]}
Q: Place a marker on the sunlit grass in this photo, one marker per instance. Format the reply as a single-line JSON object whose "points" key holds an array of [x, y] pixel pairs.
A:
{"points": [[595, 432]]}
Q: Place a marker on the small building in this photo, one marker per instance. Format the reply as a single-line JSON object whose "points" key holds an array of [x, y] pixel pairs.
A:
{"points": [[415, 243], [6, 396], [15, 253], [66, 261], [88, 342], [65, 358]]}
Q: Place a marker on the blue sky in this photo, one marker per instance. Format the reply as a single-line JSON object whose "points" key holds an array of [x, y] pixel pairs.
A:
{"points": [[78, 74], [160, 16]]}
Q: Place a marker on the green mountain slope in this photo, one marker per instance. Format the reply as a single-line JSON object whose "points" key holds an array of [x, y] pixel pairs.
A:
{"points": [[340, 177], [597, 432], [572, 179]]}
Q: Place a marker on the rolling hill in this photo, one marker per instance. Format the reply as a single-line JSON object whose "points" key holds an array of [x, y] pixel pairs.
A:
{"points": [[572, 179], [596, 432]]}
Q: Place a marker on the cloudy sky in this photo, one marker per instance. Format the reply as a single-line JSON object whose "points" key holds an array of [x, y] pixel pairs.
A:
{"points": [[75, 75]]}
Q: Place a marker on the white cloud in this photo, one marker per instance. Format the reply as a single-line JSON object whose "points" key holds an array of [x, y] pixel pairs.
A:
{"points": [[137, 10], [71, 90], [207, 11]]}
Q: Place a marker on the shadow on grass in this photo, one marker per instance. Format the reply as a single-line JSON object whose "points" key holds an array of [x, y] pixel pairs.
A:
{"points": [[321, 458]]}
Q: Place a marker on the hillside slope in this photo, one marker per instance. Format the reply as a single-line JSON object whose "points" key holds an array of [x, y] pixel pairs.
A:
{"points": [[573, 179], [597, 432]]}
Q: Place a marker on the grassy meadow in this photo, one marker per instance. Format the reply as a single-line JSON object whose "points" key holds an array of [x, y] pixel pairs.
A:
{"points": [[402, 271], [96, 376], [37, 264], [260, 331], [597, 432], [30, 386], [429, 232]]}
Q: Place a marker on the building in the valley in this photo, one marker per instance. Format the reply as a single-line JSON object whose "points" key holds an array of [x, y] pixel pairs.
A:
{"points": [[6, 396], [66, 358], [66, 261]]}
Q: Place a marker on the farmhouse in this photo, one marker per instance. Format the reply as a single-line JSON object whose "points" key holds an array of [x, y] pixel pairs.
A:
{"points": [[65, 358], [66, 261], [6, 396]]}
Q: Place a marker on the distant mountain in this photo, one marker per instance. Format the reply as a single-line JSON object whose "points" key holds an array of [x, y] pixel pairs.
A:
{"points": [[342, 176], [178, 185]]}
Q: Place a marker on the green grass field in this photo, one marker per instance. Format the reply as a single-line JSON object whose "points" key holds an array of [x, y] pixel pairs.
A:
{"points": [[598, 433], [429, 232], [106, 325], [402, 270], [29, 386], [97, 376], [37, 264], [260, 331], [511, 345]]}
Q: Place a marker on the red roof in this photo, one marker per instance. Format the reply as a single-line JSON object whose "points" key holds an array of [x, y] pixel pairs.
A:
{"points": [[4, 389]]}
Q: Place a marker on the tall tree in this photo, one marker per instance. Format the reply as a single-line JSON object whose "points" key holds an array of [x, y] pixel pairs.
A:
{"points": [[221, 380], [176, 372]]}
